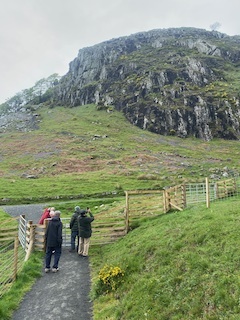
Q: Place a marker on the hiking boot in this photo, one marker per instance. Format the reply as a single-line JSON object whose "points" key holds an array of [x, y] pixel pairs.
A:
{"points": [[47, 270], [55, 269]]}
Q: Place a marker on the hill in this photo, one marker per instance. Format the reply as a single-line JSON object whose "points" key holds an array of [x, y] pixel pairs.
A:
{"points": [[180, 81], [176, 266], [84, 151]]}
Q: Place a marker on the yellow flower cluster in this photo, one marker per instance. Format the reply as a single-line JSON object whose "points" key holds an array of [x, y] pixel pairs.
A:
{"points": [[111, 276]]}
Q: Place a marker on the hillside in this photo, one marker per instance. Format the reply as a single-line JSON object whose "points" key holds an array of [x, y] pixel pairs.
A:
{"points": [[84, 151], [181, 266], [181, 82]]}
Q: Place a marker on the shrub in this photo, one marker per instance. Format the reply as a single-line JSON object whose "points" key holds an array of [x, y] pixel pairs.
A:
{"points": [[109, 279]]}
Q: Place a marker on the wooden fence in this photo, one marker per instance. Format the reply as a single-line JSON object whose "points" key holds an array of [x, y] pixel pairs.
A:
{"points": [[174, 198], [226, 188], [109, 225], [142, 204], [11, 257], [178, 197]]}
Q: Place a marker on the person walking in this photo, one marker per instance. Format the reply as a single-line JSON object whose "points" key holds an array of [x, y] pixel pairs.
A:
{"points": [[53, 238], [85, 231], [74, 229]]}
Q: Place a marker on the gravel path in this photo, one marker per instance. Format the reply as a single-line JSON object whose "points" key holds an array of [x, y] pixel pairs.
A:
{"points": [[62, 295], [32, 211]]}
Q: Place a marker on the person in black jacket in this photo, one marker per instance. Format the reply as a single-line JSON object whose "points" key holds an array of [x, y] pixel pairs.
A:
{"points": [[53, 238], [85, 232], [74, 229]]}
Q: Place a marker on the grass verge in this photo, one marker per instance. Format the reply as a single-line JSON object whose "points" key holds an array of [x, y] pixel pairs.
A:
{"points": [[31, 271], [182, 265]]}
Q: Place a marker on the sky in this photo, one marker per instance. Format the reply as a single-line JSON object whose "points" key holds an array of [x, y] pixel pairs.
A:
{"points": [[41, 37]]}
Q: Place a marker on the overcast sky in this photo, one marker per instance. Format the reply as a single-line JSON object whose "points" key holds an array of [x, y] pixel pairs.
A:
{"points": [[40, 37]]}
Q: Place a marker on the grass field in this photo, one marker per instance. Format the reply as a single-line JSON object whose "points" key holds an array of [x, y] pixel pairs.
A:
{"points": [[80, 151]]}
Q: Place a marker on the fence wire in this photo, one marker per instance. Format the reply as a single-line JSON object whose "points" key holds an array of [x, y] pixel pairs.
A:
{"points": [[7, 264], [197, 192]]}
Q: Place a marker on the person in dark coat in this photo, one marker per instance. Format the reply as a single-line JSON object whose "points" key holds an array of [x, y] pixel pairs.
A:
{"points": [[85, 231], [74, 228], [53, 238]]}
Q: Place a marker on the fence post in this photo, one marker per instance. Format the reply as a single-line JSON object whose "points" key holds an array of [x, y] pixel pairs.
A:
{"points": [[31, 240], [127, 212], [16, 242], [207, 194], [45, 223], [184, 197], [164, 201]]}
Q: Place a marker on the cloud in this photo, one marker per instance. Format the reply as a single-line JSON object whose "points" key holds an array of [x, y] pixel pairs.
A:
{"points": [[40, 37]]}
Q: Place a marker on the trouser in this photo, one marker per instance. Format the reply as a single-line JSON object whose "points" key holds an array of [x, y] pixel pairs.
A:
{"points": [[83, 246], [56, 251], [74, 235]]}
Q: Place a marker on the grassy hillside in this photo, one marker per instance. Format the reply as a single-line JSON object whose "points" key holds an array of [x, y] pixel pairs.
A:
{"points": [[182, 265], [81, 151], [178, 266]]}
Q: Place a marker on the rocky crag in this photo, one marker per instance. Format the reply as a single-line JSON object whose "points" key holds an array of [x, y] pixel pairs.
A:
{"points": [[182, 82]]}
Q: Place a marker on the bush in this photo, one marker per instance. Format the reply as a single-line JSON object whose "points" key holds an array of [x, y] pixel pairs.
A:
{"points": [[109, 279]]}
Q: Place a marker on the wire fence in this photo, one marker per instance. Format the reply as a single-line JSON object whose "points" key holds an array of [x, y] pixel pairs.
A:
{"points": [[196, 192], [11, 262]]}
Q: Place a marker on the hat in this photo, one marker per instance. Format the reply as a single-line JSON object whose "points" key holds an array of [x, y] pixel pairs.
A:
{"points": [[77, 209]]}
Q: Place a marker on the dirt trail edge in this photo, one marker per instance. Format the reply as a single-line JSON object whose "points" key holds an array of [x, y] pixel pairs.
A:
{"points": [[61, 295]]}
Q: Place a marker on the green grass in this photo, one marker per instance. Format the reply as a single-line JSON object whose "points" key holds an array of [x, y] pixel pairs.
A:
{"points": [[79, 152], [182, 265], [31, 271], [26, 277], [6, 220]]}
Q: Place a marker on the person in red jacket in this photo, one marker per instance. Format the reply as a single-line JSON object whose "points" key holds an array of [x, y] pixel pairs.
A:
{"points": [[45, 215]]}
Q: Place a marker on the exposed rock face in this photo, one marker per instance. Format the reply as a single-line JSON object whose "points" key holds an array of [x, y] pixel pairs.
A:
{"points": [[19, 119], [182, 82], [173, 81], [20, 112]]}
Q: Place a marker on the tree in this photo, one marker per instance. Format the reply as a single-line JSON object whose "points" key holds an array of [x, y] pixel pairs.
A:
{"points": [[215, 26]]}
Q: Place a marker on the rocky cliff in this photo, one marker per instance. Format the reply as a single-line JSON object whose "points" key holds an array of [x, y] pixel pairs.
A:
{"points": [[183, 82], [173, 82]]}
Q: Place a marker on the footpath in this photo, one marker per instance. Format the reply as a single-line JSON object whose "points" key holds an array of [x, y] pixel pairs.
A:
{"points": [[60, 295]]}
